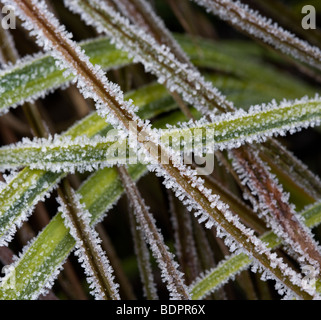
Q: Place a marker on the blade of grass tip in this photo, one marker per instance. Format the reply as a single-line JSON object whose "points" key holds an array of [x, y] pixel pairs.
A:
{"points": [[143, 258], [93, 83], [92, 257], [165, 259]]}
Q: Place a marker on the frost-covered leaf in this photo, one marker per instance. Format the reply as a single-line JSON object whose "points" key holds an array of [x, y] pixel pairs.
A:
{"points": [[18, 197], [63, 154], [232, 130], [40, 262], [17, 88], [274, 207], [158, 59], [254, 24], [143, 259], [35, 76], [25, 189], [165, 259], [93, 259], [213, 279], [141, 13]]}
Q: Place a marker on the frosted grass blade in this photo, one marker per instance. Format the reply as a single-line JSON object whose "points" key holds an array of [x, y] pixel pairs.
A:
{"points": [[251, 22], [35, 76], [158, 59], [143, 259], [213, 279], [165, 259], [93, 259], [230, 131], [15, 88]]}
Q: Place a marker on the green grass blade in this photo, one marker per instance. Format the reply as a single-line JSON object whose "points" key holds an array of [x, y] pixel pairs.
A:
{"points": [[230, 131], [33, 77], [256, 125], [19, 196]]}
